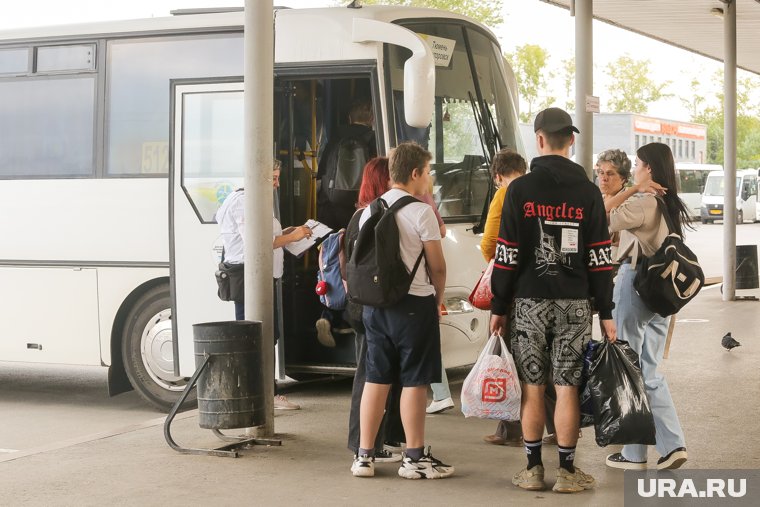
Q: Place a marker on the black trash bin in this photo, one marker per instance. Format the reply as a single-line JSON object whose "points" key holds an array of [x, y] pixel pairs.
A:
{"points": [[746, 267], [230, 391]]}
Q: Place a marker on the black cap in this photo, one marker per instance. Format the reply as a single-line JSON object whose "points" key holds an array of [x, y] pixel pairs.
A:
{"points": [[553, 120]]}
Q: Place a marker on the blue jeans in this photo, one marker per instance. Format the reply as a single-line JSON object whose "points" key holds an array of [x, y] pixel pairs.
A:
{"points": [[441, 389], [645, 332]]}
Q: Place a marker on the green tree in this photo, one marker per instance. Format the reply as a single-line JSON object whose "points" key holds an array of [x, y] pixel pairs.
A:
{"points": [[748, 148], [568, 81], [747, 123], [487, 12], [695, 100], [529, 63], [631, 90]]}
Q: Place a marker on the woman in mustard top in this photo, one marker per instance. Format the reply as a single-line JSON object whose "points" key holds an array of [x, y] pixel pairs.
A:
{"points": [[507, 165]]}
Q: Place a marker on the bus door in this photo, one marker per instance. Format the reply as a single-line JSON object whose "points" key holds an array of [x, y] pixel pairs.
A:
{"points": [[311, 109], [206, 165]]}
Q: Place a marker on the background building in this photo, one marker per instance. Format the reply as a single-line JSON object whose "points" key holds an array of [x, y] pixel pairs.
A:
{"points": [[628, 131]]}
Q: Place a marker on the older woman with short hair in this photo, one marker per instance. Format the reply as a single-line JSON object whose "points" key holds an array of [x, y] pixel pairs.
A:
{"points": [[613, 170]]}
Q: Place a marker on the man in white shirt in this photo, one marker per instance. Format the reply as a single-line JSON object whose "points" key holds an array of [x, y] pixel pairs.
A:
{"points": [[403, 340], [231, 220]]}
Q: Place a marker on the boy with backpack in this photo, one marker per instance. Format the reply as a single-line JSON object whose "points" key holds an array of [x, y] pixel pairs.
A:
{"points": [[397, 271]]}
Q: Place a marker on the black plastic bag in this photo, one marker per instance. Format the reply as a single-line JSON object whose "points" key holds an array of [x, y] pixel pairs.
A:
{"points": [[584, 391], [621, 408]]}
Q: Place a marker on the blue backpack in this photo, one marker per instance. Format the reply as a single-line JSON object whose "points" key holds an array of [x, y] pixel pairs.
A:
{"points": [[334, 296]]}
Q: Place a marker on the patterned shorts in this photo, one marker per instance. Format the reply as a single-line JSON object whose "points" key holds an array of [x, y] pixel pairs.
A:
{"points": [[550, 335]]}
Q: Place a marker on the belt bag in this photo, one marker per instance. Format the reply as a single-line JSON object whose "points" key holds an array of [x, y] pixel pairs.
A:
{"points": [[671, 277], [229, 278]]}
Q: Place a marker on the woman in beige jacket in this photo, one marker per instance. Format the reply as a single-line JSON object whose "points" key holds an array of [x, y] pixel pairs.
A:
{"points": [[635, 213]]}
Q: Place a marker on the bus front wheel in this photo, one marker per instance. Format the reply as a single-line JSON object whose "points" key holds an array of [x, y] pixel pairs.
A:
{"points": [[147, 351]]}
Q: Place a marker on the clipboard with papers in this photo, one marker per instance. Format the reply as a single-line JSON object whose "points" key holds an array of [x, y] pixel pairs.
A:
{"points": [[318, 231]]}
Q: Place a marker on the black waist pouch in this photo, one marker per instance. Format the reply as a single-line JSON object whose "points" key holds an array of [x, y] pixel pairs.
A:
{"points": [[229, 278]]}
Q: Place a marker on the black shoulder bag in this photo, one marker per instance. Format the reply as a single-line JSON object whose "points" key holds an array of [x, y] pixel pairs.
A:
{"points": [[671, 277]]}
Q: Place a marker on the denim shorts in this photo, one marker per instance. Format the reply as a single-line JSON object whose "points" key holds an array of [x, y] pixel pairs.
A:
{"points": [[550, 335], [404, 342]]}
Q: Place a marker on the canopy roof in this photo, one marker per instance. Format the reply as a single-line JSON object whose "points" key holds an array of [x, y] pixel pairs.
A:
{"points": [[694, 25]]}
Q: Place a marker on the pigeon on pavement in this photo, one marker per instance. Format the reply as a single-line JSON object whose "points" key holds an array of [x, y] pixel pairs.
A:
{"points": [[729, 343]]}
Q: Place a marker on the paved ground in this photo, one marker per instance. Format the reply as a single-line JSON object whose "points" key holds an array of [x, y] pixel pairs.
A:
{"points": [[715, 392]]}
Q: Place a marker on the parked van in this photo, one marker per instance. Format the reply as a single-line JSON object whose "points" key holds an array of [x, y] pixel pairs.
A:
{"points": [[746, 197], [691, 184]]}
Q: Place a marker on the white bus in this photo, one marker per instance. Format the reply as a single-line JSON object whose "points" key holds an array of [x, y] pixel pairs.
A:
{"points": [[94, 117], [691, 184]]}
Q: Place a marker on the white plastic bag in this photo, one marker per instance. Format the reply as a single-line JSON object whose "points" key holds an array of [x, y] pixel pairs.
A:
{"points": [[492, 389]]}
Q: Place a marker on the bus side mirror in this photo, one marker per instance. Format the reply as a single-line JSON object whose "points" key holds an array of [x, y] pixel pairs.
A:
{"points": [[419, 69]]}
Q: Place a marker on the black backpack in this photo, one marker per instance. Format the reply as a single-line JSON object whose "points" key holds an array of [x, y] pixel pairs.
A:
{"points": [[375, 273], [345, 169], [671, 277]]}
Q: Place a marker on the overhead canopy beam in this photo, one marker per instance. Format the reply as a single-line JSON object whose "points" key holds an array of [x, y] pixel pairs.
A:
{"points": [[693, 25]]}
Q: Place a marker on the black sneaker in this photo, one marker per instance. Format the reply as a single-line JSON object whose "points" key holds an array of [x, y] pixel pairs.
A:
{"points": [[618, 461], [385, 456], [675, 459], [363, 466], [427, 467]]}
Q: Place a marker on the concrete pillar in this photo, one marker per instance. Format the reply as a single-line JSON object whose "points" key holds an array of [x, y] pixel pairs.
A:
{"points": [[258, 145], [729, 151], [584, 83]]}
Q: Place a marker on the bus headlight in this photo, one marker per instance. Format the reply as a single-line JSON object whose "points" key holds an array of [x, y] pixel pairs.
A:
{"points": [[456, 306]]}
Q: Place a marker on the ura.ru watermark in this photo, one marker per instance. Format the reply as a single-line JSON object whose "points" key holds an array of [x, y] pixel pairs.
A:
{"points": [[692, 487]]}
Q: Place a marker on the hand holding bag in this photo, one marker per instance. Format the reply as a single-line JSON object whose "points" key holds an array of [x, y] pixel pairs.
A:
{"points": [[481, 295], [492, 389]]}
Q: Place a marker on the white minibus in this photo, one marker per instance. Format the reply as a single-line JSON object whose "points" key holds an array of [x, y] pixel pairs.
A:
{"points": [[745, 188]]}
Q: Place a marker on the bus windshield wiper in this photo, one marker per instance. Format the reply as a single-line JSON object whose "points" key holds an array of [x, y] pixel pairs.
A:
{"points": [[494, 128], [482, 134], [489, 137]]}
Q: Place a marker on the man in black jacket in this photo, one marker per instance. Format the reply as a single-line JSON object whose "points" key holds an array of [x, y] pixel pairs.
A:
{"points": [[552, 261]]}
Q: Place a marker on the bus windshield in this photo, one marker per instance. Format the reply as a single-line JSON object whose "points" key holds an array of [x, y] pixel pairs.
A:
{"points": [[714, 185], [474, 113]]}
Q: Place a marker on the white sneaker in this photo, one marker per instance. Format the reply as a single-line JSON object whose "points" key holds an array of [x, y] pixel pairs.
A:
{"points": [[363, 466], [427, 467], [282, 403], [324, 335], [436, 407]]}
